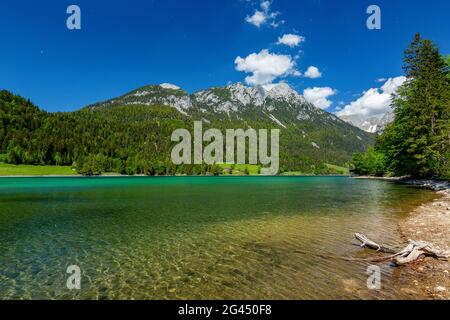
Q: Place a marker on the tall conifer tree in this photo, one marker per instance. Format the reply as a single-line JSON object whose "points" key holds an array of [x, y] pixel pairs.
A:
{"points": [[418, 141]]}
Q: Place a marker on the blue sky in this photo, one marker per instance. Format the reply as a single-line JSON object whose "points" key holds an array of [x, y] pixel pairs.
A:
{"points": [[194, 44]]}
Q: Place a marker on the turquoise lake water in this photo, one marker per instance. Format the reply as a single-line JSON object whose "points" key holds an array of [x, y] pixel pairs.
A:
{"points": [[198, 237]]}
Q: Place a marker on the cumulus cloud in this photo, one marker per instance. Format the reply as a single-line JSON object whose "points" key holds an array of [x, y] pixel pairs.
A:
{"points": [[375, 101], [265, 67], [318, 96], [313, 73], [264, 15], [392, 84], [291, 40], [257, 19]]}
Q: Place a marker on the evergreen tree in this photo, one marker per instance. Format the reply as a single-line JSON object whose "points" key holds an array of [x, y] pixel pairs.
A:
{"points": [[447, 59], [417, 143]]}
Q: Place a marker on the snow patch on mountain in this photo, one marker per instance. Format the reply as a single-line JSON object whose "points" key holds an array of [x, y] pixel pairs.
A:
{"points": [[169, 86], [374, 124]]}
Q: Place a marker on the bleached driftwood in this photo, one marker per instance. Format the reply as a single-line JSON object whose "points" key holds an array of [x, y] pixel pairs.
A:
{"points": [[413, 251], [366, 242]]}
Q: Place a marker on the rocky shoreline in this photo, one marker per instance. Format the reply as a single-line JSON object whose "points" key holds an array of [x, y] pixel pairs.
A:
{"points": [[436, 185], [430, 222]]}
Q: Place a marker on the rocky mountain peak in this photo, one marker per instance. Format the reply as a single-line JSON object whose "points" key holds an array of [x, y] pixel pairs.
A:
{"points": [[278, 99], [371, 124], [282, 91]]}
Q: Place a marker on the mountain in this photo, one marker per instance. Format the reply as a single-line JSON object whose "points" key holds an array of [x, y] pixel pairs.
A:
{"points": [[373, 124], [279, 104], [163, 94], [309, 135], [131, 133]]}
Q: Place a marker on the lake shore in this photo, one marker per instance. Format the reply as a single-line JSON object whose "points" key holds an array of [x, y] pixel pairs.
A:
{"points": [[436, 185], [430, 222], [25, 171]]}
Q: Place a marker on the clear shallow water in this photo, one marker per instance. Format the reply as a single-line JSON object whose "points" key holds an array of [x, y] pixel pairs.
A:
{"points": [[197, 238]]}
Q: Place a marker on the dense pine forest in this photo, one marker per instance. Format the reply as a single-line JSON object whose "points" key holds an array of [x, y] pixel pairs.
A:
{"points": [[417, 142], [127, 140]]}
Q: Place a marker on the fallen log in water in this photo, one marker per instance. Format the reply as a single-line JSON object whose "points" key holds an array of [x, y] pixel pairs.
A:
{"points": [[366, 242], [413, 251]]}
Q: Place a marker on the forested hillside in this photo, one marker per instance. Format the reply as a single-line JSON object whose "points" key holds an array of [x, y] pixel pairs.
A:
{"points": [[131, 135]]}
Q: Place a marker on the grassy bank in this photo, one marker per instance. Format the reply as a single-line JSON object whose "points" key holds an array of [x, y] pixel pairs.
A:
{"points": [[338, 169], [236, 169], [332, 170], [240, 169], [31, 170]]}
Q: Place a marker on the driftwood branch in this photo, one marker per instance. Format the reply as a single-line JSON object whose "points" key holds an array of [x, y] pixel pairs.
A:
{"points": [[413, 251], [367, 243]]}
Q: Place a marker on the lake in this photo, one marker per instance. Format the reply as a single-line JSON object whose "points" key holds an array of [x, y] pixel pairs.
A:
{"points": [[198, 237]]}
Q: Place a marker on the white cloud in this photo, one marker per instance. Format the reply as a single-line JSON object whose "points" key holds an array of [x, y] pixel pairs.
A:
{"points": [[291, 40], [375, 101], [257, 19], [265, 5], [276, 24], [318, 96], [265, 67], [313, 73], [392, 84], [263, 16]]}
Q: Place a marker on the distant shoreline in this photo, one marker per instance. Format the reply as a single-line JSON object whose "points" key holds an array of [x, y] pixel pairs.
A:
{"points": [[164, 176], [24, 170], [379, 178]]}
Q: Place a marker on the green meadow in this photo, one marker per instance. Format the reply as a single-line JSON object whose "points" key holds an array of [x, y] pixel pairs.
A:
{"points": [[240, 169], [32, 170], [236, 169]]}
